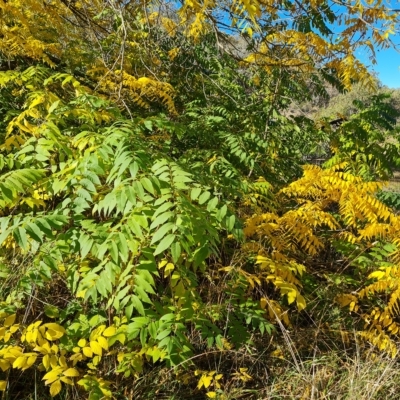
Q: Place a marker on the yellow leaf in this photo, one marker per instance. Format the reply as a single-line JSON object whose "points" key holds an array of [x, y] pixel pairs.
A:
{"points": [[46, 346], [94, 345], [211, 395], [3, 385], [70, 372], [54, 361], [169, 267], [301, 302], [263, 303], [110, 331], [205, 381], [30, 361], [14, 328], [54, 331], [62, 361], [55, 388], [19, 362], [103, 342], [7, 337], [97, 332], [10, 320], [46, 361], [278, 353], [67, 380], [87, 351], [82, 343], [377, 274], [4, 365], [52, 334], [291, 295], [53, 374], [96, 360]]}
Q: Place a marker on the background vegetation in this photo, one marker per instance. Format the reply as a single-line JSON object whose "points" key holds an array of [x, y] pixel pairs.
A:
{"points": [[193, 201]]}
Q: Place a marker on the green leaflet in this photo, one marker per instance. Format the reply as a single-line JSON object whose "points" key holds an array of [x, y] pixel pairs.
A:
{"points": [[164, 244]]}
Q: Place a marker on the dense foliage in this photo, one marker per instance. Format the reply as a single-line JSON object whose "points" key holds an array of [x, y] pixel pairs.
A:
{"points": [[157, 220]]}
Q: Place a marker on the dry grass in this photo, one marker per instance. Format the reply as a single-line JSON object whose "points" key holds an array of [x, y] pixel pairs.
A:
{"points": [[394, 183]]}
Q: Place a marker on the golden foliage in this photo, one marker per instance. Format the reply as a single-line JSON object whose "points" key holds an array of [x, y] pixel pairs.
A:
{"points": [[343, 205], [22, 347]]}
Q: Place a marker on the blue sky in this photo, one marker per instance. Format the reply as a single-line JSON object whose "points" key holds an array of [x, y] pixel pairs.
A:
{"points": [[387, 68], [388, 60]]}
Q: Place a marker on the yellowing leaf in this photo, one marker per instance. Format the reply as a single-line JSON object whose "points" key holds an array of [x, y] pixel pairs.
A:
{"points": [[110, 331], [87, 351], [291, 296], [162, 263], [71, 372], [96, 348], [263, 303], [205, 381], [96, 360], [46, 361], [211, 395], [103, 342], [19, 362], [301, 302], [55, 388], [63, 362], [377, 274], [30, 361], [10, 320], [52, 375], [82, 343], [54, 331], [67, 380], [54, 361], [3, 385]]}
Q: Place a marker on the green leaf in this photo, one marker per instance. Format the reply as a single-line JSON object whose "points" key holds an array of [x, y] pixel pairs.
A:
{"points": [[134, 300], [44, 226], [123, 247], [212, 204], [163, 208], [34, 232], [161, 232], [230, 222], [85, 243], [161, 219], [21, 238], [200, 255], [163, 334], [114, 251], [137, 186], [153, 329], [175, 251], [147, 184], [101, 286], [195, 193], [134, 226], [148, 124], [204, 197], [51, 311], [129, 310], [165, 244]]}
